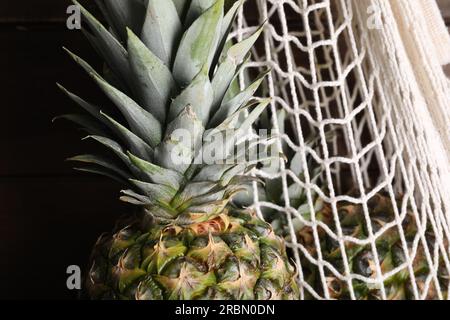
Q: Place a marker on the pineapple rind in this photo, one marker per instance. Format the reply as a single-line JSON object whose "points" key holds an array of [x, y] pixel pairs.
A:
{"points": [[239, 259], [361, 260]]}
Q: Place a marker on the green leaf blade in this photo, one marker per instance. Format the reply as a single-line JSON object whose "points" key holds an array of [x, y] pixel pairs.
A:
{"points": [[158, 174], [162, 29], [198, 45], [110, 48], [198, 95], [229, 107], [154, 80]]}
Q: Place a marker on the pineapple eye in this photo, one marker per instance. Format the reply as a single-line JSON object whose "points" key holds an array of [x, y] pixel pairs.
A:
{"points": [[200, 242], [229, 271], [342, 213], [348, 230], [373, 202], [132, 257], [364, 264], [234, 241], [398, 255], [334, 287], [173, 271], [263, 292]]}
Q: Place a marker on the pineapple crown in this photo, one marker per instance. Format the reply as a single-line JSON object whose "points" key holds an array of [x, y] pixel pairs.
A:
{"points": [[170, 72]]}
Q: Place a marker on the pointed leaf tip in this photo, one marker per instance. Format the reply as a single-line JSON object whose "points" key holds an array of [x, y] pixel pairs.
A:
{"points": [[198, 44], [162, 29], [155, 83]]}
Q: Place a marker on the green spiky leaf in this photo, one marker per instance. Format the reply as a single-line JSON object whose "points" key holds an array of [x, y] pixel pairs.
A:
{"points": [[227, 25], [154, 80], [198, 44], [110, 48], [103, 172], [85, 122], [227, 68], [198, 95], [155, 192], [158, 174], [184, 135], [143, 123], [124, 14], [100, 161], [136, 144], [162, 29], [196, 8], [229, 107]]}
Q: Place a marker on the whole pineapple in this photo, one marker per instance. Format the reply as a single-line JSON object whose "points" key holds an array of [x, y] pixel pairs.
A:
{"points": [[170, 72], [360, 258]]}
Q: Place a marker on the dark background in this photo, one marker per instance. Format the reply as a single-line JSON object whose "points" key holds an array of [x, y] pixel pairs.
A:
{"points": [[50, 216]]}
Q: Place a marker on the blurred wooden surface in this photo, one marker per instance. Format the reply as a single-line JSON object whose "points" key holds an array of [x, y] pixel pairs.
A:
{"points": [[50, 216]]}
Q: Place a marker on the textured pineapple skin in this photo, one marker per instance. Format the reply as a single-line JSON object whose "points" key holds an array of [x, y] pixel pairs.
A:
{"points": [[235, 256], [361, 259]]}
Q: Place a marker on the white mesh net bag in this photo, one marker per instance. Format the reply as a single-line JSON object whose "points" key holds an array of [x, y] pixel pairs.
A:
{"points": [[364, 79]]}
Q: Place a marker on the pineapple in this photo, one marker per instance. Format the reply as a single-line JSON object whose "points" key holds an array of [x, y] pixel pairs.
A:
{"points": [[170, 73], [361, 259]]}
